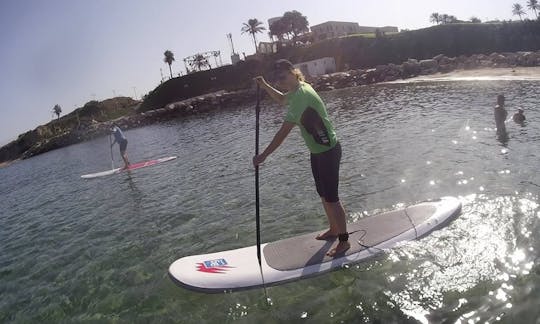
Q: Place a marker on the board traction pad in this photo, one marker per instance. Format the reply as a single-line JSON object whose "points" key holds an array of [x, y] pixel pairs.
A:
{"points": [[302, 251]]}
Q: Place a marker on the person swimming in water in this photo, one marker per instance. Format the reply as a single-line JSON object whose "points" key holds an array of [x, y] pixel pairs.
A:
{"points": [[519, 117]]}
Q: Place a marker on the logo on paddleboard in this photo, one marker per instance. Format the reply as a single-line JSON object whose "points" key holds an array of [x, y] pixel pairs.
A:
{"points": [[213, 266]]}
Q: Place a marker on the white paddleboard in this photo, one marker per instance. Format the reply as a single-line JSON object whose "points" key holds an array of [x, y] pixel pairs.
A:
{"points": [[131, 167], [304, 256]]}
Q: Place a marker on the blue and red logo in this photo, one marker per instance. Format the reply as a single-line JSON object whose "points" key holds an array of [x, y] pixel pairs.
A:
{"points": [[213, 266]]}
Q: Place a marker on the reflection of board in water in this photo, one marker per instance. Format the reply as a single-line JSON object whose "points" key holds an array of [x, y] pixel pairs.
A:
{"points": [[131, 167], [304, 256]]}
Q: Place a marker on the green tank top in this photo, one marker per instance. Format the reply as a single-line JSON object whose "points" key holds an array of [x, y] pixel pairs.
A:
{"points": [[307, 110]]}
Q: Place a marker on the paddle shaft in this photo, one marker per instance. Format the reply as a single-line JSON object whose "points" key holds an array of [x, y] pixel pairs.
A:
{"points": [[110, 145], [257, 219]]}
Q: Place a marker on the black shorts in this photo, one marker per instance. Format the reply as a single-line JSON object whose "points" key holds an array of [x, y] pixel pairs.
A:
{"points": [[123, 146], [325, 168]]}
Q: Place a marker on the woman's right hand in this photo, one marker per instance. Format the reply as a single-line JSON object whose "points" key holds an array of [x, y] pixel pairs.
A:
{"points": [[260, 80], [258, 159]]}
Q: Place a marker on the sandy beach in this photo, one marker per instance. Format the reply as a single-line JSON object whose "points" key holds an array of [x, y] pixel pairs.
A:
{"points": [[515, 73]]}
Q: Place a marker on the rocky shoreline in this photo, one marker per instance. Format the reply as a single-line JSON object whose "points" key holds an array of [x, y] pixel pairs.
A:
{"points": [[353, 78], [414, 68], [224, 100]]}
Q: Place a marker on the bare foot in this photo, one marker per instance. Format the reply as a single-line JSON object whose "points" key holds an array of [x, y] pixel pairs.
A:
{"points": [[340, 248], [328, 235]]}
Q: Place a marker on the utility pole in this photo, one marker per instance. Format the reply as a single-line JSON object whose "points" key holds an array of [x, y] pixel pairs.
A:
{"points": [[229, 36], [235, 58]]}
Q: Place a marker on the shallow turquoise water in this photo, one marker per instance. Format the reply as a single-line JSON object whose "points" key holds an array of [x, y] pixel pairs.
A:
{"points": [[74, 250]]}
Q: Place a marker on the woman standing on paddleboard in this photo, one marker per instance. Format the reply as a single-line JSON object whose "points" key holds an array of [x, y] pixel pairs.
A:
{"points": [[307, 110]]}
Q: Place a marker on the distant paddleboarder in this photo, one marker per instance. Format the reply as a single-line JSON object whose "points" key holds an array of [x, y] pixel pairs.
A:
{"points": [[122, 142], [307, 111]]}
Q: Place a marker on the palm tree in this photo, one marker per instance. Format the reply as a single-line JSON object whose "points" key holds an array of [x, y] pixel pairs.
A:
{"points": [[169, 58], [435, 18], [517, 10], [57, 110], [253, 26], [200, 62], [533, 5]]}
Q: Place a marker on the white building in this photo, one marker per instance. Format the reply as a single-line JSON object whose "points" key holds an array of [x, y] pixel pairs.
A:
{"points": [[333, 29], [317, 67], [267, 47]]}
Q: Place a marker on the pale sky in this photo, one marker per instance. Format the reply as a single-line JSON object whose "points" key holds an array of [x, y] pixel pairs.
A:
{"points": [[69, 52]]}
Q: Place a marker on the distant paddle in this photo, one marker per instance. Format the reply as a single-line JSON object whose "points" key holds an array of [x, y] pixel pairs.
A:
{"points": [[110, 145]]}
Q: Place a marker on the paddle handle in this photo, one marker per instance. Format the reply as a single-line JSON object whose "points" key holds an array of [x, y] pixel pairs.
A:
{"points": [[257, 218]]}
